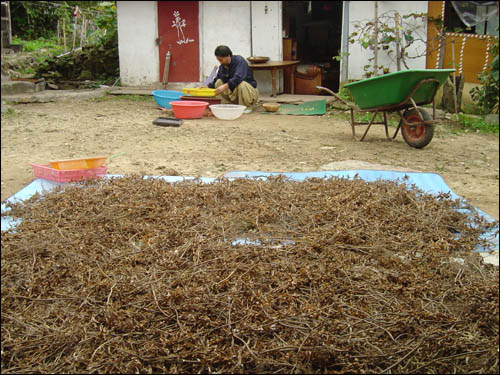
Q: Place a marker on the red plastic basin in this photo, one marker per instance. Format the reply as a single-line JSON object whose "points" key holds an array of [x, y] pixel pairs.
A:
{"points": [[189, 109]]}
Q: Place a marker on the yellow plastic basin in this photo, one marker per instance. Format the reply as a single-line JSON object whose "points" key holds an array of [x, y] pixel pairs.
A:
{"points": [[199, 91]]}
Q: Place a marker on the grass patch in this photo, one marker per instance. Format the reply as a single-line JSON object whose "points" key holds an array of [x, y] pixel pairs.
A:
{"points": [[439, 168], [137, 98], [105, 98], [477, 124], [127, 97], [48, 45], [9, 113], [465, 124], [26, 70], [457, 125], [40, 50]]}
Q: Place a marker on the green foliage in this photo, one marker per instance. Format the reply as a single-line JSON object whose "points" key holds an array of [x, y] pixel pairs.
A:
{"points": [[33, 19], [486, 95], [107, 18], [97, 61], [106, 22], [345, 94]]}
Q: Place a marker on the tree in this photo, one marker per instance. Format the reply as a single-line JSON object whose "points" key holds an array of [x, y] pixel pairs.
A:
{"points": [[392, 34], [38, 19]]}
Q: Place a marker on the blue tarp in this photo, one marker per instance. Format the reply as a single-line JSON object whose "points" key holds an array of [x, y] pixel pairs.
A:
{"points": [[431, 183]]}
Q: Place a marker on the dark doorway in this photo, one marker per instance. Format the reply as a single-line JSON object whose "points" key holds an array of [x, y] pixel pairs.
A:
{"points": [[317, 28]]}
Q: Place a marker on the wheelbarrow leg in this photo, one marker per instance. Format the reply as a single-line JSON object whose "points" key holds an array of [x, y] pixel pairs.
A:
{"points": [[369, 126], [354, 123], [385, 126], [384, 123], [399, 125]]}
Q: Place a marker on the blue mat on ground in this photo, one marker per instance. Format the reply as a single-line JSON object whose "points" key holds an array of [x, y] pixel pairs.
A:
{"points": [[431, 183]]}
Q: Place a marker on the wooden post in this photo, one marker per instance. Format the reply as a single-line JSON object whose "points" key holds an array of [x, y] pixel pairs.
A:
{"points": [[6, 21], [454, 75], [58, 34], [442, 40], [398, 53], [166, 69], [82, 30], [376, 39], [74, 34], [85, 22], [10, 22], [64, 34]]}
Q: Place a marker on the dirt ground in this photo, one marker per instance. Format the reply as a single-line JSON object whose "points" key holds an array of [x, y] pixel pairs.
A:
{"points": [[208, 147]]}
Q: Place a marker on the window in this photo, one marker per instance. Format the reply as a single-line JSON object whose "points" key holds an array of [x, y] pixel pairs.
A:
{"points": [[471, 17], [490, 26]]}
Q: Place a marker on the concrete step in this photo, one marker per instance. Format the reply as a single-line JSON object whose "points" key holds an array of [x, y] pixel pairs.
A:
{"points": [[54, 95], [21, 87]]}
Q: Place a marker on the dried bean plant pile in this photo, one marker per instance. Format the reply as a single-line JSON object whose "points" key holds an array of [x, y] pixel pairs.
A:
{"points": [[137, 275]]}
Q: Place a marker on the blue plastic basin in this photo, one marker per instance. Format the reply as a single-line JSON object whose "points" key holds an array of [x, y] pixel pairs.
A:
{"points": [[164, 97]]}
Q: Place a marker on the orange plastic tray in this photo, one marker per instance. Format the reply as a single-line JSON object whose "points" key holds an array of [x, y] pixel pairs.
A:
{"points": [[83, 163]]}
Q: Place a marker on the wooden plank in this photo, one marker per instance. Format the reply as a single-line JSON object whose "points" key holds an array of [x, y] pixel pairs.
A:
{"points": [[471, 54], [435, 10]]}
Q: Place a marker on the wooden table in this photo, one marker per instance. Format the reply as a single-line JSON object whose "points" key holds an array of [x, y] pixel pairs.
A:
{"points": [[274, 66]]}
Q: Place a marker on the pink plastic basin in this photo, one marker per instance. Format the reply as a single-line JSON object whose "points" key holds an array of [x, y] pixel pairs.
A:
{"points": [[189, 109]]}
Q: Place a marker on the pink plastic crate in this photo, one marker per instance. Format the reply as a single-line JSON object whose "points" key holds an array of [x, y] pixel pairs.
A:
{"points": [[49, 173]]}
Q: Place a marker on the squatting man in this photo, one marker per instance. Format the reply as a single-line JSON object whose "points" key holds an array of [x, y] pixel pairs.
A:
{"points": [[234, 81]]}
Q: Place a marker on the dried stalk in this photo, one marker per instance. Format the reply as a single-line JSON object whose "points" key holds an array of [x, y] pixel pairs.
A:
{"points": [[140, 275]]}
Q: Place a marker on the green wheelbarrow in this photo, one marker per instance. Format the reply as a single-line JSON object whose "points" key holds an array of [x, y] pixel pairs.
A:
{"points": [[400, 92]]}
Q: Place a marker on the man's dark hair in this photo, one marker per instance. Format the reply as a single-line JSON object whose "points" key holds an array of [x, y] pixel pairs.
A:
{"points": [[223, 51]]}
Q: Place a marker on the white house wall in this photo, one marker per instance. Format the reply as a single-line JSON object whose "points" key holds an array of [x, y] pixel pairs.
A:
{"points": [[360, 11], [247, 27], [223, 23], [220, 22], [138, 51], [267, 40]]}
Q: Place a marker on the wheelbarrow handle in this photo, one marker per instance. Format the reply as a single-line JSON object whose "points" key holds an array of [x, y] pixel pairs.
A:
{"points": [[336, 96]]}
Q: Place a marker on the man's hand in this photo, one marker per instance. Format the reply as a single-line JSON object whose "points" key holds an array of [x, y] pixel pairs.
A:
{"points": [[221, 89]]}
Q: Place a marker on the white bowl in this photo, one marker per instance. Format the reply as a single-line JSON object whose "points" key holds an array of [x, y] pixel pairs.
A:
{"points": [[227, 111]]}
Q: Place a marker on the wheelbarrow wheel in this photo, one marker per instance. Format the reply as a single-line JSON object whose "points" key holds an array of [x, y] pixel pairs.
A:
{"points": [[416, 134]]}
